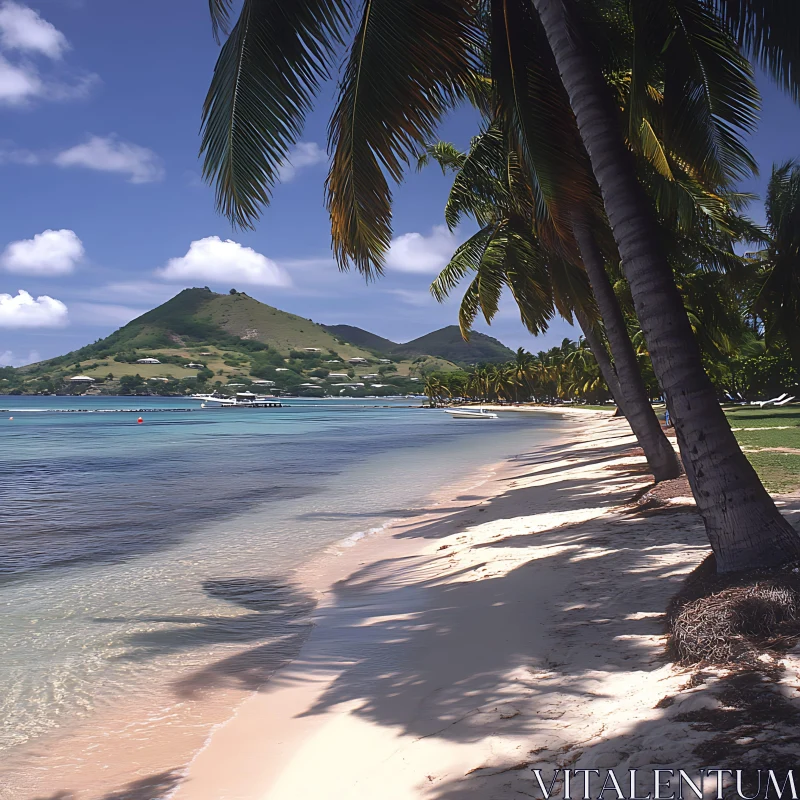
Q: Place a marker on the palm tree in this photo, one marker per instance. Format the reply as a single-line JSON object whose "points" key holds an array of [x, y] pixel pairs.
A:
{"points": [[410, 62], [778, 300], [743, 525], [435, 389], [510, 249]]}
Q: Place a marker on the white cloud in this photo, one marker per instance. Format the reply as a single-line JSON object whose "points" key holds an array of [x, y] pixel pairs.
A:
{"points": [[302, 155], [48, 253], [24, 31], [413, 252], [214, 260], [18, 84], [21, 83], [23, 311], [110, 154], [21, 28], [9, 359]]}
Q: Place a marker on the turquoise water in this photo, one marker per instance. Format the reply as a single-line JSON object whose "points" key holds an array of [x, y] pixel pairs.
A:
{"points": [[128, 549]]}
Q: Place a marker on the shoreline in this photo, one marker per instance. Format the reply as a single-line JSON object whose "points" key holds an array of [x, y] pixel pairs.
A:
{"points": [[260, 751], [514, 621], [458, 651], [157, 740]]}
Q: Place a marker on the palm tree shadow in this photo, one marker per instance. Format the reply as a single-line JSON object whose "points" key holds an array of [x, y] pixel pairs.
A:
{"points": [[153, 787], [277, 621]]}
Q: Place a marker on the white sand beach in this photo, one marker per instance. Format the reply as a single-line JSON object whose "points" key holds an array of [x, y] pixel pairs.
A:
{"points": [[516, 622], [515, 627]]}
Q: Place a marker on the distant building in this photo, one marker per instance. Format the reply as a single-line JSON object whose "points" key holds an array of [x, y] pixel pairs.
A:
{"points": [[207, 353], [264, 383], [310, 386], [312, 349], [416, 380], [385, 360], [370, 377], [195, 366], [338, 375], [147, 361], [163, 380], [354, 385], [358, 360], [81, 379], [334, 361], [282, 369]]}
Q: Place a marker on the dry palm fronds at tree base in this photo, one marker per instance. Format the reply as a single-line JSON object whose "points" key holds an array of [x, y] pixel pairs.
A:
{"points": [[726, 619]]}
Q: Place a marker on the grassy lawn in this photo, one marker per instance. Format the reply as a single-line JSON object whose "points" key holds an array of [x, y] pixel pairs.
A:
{"points": [[775, 428]]}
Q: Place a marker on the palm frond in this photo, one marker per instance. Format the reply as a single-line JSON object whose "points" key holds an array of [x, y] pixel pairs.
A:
{"points": [[445, 154], [536, 112], [710, 99], [409, 63], [480, 188], [220, 11], [653, 151], [768, 31], [265, 78], [466, 259]]}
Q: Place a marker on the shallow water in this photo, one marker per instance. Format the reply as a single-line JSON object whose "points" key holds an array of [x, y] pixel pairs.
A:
{"points": [[131, 550]]}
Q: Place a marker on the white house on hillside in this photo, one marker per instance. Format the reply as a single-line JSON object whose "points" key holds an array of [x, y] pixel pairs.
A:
{"points": [[81, 379], [147, 361]]}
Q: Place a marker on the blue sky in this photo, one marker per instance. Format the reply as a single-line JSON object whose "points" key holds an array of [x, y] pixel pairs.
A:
{"points": [[104, 214]]}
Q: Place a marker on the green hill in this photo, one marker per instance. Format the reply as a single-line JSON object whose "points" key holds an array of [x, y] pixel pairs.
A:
{"points": [[200, 315], [445, 343], [448, 343], [361, 338], [200, 341]]}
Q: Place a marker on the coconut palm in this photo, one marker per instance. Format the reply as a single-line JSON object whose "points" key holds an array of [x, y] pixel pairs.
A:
{"points": [[435, 389], [744, 526], [778, 300], [509, 250], [410, 62]]}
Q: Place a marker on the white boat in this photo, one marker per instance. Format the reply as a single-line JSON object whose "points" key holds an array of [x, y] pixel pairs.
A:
{"points": [[241, 399], [470, 413]]}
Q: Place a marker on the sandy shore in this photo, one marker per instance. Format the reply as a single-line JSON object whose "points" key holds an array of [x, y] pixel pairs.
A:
{"points": [[514, 627], [513, 624]]}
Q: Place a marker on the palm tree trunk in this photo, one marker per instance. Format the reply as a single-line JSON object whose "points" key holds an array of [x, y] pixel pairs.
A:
{"points": [[661, 457], [742, 522], [600, 356]]}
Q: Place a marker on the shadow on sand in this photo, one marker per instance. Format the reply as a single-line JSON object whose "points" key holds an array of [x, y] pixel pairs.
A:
{"points": [[469, 656]]}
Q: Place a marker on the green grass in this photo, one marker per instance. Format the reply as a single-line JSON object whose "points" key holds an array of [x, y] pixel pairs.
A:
{"points": [[780, 472], [750, 417]]}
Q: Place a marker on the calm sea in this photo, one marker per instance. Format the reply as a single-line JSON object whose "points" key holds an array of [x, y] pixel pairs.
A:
{"points": [[124, 545]]}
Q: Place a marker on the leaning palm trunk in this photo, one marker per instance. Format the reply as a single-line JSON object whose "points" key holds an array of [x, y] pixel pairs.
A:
{"points": [[603, 361], [600, 356], [661, 457], [743, 525]]}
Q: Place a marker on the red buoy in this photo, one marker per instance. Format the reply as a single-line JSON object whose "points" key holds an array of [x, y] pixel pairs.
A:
{"points": [[140, 420]]}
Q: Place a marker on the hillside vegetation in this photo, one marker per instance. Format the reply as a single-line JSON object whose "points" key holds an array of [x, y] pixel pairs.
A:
{"points": [[231, 341], [446, 343]]}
